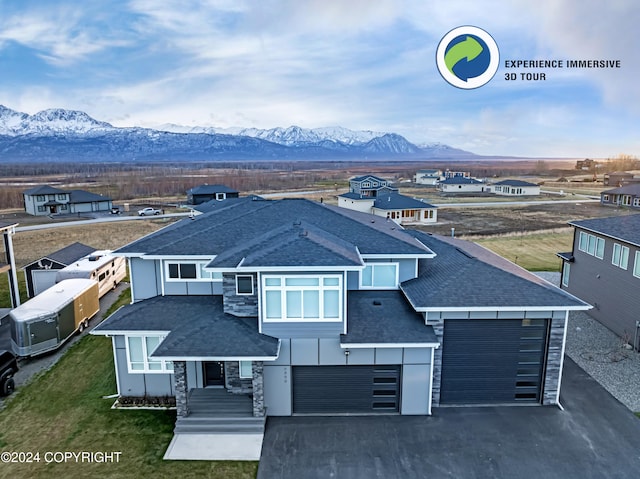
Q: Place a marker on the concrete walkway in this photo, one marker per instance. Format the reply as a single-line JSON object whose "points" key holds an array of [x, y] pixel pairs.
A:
{"points": [[215, 447]]}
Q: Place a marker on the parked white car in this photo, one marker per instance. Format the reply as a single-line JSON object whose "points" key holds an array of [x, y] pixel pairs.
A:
{"points": [[149, 212]]}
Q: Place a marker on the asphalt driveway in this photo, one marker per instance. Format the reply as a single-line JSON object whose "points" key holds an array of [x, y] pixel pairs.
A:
{"points": [[594, 437]]}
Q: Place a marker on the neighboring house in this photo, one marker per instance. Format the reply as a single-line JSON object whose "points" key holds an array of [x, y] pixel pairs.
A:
{"points": [[7, 260], [47, 200], [427, 177], [369, 185], [617, 178], [586, 165], [404, 210], [460, 184], [456, 174], [202, 194], [41, 274], [515, 188], [603, 269], [294, 307], [628, 195]]}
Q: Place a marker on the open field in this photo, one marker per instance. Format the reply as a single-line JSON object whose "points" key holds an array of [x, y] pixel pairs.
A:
{"points": [[49, 415]]}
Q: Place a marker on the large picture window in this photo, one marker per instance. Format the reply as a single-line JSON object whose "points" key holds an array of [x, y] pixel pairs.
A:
{"points": [[379, 276], [302, 298], [139, 350], [189, 271]]}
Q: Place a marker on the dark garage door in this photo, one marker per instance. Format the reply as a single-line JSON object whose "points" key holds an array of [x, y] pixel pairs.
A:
{"points": [[493, 361], [346, 389]]}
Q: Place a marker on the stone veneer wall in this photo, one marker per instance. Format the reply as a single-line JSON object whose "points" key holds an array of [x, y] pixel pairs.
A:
{"points": [[258, 389], [243, 305], [438, 328], [555, 352], [233, 382], [181, 388]]}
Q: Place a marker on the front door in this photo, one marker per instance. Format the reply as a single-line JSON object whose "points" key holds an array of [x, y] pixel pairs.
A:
{"points": [[213, 373]]}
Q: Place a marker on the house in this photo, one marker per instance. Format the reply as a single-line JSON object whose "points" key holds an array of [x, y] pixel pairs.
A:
{"points": [[515, 188], [7, 260], [586, 165], [203, 193], [456, 174], [461, 184], [427, 177], [288, 307], [628, 195], [47, 200], [369, 185], [618, 178], [603, 269], [41, 274], [394, 206]]}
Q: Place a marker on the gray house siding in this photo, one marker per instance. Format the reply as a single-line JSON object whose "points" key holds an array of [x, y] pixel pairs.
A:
{"points": [[145, 278], [138, 385], [613, 292], [243, 305], [278, 391]]}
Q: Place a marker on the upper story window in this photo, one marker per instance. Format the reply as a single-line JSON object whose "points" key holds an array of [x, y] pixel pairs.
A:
{"points": [[302, 298], [379, 276], [139, 350], [636, 265], [636, 201], [566, 271], [189, 271], [40, 198], [244, 284], [620, 256], [62, 196], [591, 244]]}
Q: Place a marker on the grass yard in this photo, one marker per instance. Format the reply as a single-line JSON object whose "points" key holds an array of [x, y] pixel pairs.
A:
{"points": [[532, 251], [63, 410]]}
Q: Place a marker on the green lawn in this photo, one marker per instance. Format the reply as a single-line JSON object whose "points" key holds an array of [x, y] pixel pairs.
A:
{"points": [[532, 251], [5, 300], [63, 410]]}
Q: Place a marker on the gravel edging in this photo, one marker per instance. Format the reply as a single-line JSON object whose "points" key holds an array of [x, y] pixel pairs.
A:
{"points": [[602, 355]]}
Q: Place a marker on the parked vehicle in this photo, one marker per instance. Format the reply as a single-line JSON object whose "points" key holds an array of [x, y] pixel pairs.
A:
{"points": [[8, 367], [115, 210], [149, 212], [101, 266], [46, 321]]}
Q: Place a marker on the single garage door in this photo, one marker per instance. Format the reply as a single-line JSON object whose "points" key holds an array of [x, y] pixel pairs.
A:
{"points": [[493, 361], [346, 389]]}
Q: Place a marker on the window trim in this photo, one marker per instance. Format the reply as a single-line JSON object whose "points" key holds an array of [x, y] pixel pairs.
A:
{"points": [[566, 273], [618, 262], [373, 264], [238, 276], [636, 265], [586, 241], [164, 364], [321, 288], [199, 265], [240, 367]]}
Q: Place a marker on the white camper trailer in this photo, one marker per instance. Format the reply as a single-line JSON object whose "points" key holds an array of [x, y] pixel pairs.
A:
{"points": [[100, 266]]}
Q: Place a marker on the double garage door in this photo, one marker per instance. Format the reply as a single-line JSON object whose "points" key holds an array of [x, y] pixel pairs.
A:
{"points": [[346, 389], [493, 361]]}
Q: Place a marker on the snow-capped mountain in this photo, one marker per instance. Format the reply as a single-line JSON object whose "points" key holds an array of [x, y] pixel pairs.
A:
{"points": [[68, 135]]}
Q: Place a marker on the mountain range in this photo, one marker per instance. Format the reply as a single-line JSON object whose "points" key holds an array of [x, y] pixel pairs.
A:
{"points": [[70, 135]]}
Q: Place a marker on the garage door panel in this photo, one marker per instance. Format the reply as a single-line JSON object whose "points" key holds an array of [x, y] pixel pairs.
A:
{"points": [[492, 361], [346, 389]]}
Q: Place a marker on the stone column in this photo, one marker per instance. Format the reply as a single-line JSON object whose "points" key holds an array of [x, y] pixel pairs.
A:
{"points": [[257, 369], [182, 388]]}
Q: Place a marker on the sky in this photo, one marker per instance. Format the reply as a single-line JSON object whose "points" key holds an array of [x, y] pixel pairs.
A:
{"points": [[360, 64]]}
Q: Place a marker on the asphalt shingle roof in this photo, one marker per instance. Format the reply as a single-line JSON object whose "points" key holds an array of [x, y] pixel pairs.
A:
{"points": [[355, 196], [43, 190], [624, 228], [69, 254], [384, 317], [631, 189], [396, 201], [81, 196], [466, 275], [295, 244], [198, 327], [371, 177], [514, 183], [241, 221], [210, 189]]}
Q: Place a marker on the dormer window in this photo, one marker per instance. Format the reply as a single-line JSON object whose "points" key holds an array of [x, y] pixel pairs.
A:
{"points": [[379, 276]]}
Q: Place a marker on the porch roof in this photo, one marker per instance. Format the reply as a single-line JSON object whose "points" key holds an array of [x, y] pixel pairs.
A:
{"points": [[198, 329], [385, 318]]}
